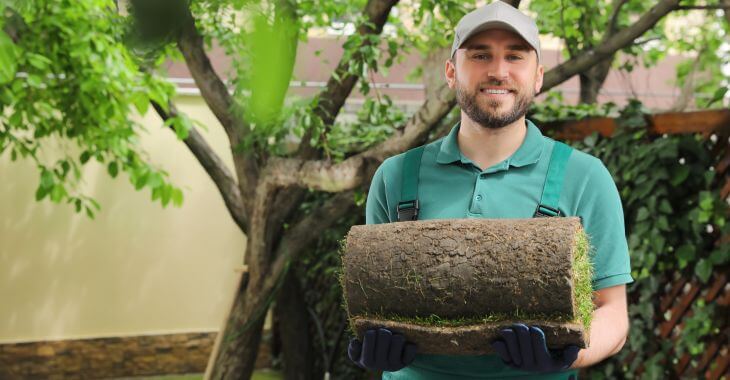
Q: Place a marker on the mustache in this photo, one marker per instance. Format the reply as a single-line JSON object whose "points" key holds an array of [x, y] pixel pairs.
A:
{"points": [[499, 83]]}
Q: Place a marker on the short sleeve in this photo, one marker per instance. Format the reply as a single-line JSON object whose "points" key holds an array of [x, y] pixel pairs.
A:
{"points": [[603, 220], [376, 206]]}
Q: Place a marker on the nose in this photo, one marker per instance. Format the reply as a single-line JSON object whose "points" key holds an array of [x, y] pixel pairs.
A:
{"points": [[497, 70]]}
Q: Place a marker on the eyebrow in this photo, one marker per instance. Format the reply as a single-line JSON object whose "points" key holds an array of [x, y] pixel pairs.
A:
{"points": [[516, 47]]}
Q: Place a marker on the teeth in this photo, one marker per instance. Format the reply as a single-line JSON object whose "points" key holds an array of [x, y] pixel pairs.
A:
{"points": [[490, 91]]}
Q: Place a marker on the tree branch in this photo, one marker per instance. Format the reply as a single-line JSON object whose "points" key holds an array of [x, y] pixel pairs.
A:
{"points": [[214, 91], [14, 23], [568, 45], [621, 39], [356, 170], [305, 232], [341, 83], [216, 96], [613, 21], [214, 166]]}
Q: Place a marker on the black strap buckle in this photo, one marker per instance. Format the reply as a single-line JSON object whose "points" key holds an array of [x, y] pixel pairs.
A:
{"points": [[546, 212], [408, 210]]}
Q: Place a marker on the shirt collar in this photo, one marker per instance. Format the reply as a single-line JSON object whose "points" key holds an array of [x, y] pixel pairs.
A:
{"points": [[528, 153]]}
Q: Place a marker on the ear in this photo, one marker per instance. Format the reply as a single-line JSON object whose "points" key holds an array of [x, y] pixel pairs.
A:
{"points": [[450, 73], [538, 78]]}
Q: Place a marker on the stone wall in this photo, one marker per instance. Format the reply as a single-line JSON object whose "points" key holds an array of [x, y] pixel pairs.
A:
{"points": [[112, 357]]}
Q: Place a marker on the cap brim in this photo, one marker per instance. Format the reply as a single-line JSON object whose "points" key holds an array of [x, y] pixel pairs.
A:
{"points": [[495, 24]]}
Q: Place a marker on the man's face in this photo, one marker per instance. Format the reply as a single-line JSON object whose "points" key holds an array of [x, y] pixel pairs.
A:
{"points": [[496, 76]]}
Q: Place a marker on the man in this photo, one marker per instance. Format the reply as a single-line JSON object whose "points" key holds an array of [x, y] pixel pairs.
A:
{"points": [[493, 164]]}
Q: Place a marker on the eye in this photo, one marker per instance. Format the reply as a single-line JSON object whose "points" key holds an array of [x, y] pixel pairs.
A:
{"points": [[481, 56], [513, 57]]}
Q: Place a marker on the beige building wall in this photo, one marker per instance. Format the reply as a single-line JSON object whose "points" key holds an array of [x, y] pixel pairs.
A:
{"points": [[137, 268]]}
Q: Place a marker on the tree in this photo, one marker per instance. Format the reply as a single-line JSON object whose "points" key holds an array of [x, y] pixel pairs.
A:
{"points": [[74, 70]]}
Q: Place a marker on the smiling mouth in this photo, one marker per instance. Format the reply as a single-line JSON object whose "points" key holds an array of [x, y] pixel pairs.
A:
{"points": [[494, 91]]}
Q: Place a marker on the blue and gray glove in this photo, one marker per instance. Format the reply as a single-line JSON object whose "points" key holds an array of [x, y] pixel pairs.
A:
{"points": [[381, 350], [524, 348]]}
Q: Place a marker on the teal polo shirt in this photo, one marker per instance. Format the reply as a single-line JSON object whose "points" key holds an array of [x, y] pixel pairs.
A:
{"points": [[451, 186]]}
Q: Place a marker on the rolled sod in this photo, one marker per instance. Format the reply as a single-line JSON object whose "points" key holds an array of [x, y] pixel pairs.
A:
{"points": [[449, 285]]}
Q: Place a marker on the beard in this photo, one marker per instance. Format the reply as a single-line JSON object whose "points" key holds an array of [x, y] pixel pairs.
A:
{"points": [[489, 116]]}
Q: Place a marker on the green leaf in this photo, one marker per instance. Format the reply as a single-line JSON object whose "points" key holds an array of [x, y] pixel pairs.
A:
{"points": [[720, 256], [686, 252], [94, 203], [680, 174], [113, 169], [165, 195], [703, 270], [177, 197], [38, 61], [8, 58], [182, 127], [47, 179], [703, 216], [141, 180], [85, 156], [41, 193], [34, 81], [57, 193], [141, 102], [89, 212], [706, 200], [156, 192], [665, 207], [717, 96], [643, 214], [154, 180]]}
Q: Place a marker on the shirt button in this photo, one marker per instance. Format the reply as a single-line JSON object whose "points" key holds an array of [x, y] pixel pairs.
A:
{"points": [[479, 197]]}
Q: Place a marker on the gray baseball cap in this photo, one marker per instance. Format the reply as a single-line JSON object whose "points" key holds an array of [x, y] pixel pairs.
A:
{"points": [[497, 15]]}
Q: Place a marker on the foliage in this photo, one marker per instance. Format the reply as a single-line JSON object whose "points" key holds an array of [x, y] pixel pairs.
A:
{"points": [[319, 276], [701, 40], [560, 19], [704, 44], [52, 111], [376, 121], [673, 215], [554, 108]]}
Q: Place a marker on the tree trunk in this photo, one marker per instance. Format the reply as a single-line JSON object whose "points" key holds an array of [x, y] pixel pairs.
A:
{"points": [[291, 313], [591, 81], [236, 354]]}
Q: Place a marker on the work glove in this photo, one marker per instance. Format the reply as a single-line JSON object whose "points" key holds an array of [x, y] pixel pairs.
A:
{"points": [[381, 350], [524, 348]]}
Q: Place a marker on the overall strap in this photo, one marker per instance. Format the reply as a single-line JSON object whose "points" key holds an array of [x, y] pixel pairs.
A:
{"points": [[408, 205], [548, 205]]}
